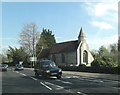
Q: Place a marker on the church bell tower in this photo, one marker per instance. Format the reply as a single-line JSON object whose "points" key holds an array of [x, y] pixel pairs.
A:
{"points": [[81, 36]]}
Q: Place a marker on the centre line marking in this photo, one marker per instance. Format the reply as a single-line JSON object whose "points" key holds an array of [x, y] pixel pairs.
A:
{"points": [[23, 74], [33, 78], [46, 86]]}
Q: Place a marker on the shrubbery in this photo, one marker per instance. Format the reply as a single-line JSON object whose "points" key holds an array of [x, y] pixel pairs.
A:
{"points": [[104, 61]]}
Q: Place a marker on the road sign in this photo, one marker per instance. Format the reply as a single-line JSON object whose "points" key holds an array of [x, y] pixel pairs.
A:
{"points": [[33, 58], [20, 62]]}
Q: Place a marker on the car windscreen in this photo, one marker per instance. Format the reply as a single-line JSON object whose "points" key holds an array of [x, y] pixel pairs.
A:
{"points": [[19, 65], [48, 64], [3, 65]]}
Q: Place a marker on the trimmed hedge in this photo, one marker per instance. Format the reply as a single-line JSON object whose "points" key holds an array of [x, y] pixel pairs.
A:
{"points": [[107, 70]]}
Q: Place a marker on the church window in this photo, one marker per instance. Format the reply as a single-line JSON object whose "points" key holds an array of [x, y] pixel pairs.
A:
{"points": [[85, 57]]}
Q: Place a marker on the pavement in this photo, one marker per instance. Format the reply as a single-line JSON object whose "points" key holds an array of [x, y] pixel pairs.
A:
{"points": [[92, 75]]}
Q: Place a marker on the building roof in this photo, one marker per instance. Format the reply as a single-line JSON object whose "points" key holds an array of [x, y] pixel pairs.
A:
{"points": [[60, 48], [64, 47], [44, 53]]}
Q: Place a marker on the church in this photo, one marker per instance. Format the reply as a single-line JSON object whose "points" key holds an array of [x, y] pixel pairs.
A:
{"points": [[70, 53]]}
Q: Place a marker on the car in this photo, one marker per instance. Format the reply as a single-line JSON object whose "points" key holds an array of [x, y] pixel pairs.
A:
{"points": [[47, 68], [3, 67], [19, 67]]}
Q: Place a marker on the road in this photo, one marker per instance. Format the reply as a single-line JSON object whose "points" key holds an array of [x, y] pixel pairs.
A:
{"points": [[25, 82]]}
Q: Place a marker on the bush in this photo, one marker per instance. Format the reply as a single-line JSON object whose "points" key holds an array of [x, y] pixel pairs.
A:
{"points": [[82, 65], [104, 61]]}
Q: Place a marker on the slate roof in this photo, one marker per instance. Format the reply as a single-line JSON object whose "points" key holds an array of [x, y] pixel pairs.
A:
{"points": [[63, 47], [44, 53]]}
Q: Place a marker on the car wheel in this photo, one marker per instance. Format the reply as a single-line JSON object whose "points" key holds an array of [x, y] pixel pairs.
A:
{"points": [[36, 74], [59, 76]]}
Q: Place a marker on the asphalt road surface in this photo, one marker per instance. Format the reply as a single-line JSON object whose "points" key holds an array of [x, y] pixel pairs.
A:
{"points": [[25, 82]]}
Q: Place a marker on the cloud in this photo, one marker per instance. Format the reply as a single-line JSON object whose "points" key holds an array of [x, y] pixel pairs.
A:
{"points": [[98, 10], [102, 9], [106, 41], [102, 25]]}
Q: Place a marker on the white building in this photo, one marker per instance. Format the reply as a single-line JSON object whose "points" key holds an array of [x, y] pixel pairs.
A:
{"points": [[70, 53]]}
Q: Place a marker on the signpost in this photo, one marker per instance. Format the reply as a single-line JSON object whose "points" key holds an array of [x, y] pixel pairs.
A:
{"points": [[33, 59]]}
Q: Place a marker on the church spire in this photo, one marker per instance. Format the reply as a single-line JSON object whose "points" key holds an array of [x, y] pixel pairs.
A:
{"points": [[81, 36]]}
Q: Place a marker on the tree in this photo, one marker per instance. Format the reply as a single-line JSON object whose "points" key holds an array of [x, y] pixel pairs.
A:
{"points": [[104, 61], [17, 55], [94, 53], [114, 52], [119, 52], [47, 40], [29, 37], [105, 57], [103, 51]]}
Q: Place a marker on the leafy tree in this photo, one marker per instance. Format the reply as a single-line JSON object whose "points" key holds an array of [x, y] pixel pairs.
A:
{"points": [[94, 53], [105, 57], [114, 52], [119, 52], [47, 40], [18, 55], [104, 61], [103, 51]]}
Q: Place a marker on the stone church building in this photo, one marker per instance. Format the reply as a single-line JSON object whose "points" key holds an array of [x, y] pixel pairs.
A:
{"points": [[70, 53]]}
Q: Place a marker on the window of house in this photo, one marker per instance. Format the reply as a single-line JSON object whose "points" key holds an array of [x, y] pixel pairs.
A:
{"points": [[85, 57]]}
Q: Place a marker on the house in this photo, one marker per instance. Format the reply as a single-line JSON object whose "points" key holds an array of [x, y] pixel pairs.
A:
{"points": [[70, 53]]}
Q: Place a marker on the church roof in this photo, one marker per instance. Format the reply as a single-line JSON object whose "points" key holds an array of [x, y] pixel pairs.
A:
{"points": [[60, 48], [44, 53], [64, 47]]}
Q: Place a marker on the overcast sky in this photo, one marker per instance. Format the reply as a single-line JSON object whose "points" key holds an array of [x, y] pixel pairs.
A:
{"points": [[65, 19]]}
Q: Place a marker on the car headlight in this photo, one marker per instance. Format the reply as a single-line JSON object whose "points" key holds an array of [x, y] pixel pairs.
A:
{"points": [[47, 71], [60, 70]]}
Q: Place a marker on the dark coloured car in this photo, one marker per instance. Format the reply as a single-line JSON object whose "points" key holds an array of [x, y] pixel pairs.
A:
{"points": [[47, 68], [19, 67], [3, 67]]}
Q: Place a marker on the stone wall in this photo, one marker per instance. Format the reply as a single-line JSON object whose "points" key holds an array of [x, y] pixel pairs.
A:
{"points": [[64, 59]]}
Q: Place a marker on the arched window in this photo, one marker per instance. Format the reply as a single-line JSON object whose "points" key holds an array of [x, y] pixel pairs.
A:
{"points": [[85, 57], [63, 58]]}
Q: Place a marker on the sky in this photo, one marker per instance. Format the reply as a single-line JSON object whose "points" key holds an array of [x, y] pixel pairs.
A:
{"points": [[99, 21]]}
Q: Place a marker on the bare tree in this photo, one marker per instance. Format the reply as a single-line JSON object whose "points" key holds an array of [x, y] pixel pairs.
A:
{"points": [[29, 37]]}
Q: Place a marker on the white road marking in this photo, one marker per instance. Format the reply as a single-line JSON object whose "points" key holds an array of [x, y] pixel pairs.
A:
{"points": [[16, 71], [75, 76], [33, 78], [81, 93], [65, 82], [23, 74], [46, 86], [60, 87], [87, 79], [68, 77]]}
